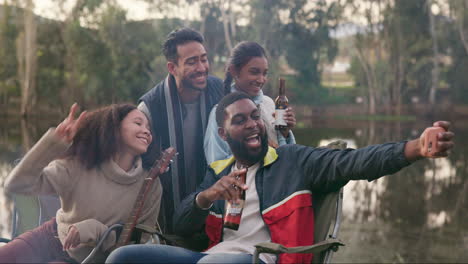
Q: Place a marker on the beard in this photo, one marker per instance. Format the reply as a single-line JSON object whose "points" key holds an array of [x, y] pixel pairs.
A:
{"points": [[240, 150], [188, 83]]}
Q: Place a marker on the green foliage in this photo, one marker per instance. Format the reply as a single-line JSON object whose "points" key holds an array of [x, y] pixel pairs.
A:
{"points": [[115, 60], [457, 77], [302, 41], [410, 41], [97, 56], [400, 53], [50, 73], [455, 74], [8, 66], [112, 59], [318, 95]]}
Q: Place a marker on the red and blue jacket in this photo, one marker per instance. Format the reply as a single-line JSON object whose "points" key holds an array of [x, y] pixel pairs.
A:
{"points": [[285, 182]]}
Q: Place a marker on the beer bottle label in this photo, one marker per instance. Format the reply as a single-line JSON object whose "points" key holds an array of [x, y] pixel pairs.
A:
{"points": [[279, 117], [234, 212]]}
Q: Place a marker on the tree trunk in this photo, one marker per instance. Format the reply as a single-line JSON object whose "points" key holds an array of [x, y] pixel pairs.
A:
{"points": [[72, 92], [399, 70], [20, 54], [203, 26], [398, 84], [26, 135], [28, 60], [227, 36], [370, 80], [232, 21], [435, 49], [461, 27]]}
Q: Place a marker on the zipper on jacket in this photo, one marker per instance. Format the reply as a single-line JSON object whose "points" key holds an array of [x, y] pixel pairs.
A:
{"points": [[260, 194]]}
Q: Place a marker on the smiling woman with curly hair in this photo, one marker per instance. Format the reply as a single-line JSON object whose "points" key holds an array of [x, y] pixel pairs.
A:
{"points": [[93, 164]]}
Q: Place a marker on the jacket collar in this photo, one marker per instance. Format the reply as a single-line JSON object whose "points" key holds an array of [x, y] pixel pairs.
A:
{"points": [[258, 99], [220, 165]]}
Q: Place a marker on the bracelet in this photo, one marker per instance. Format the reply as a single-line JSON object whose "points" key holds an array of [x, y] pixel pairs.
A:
{"points": [[198, 204]]}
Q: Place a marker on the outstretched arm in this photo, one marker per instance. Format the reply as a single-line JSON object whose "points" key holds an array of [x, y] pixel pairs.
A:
{"points": [[328, 169]]}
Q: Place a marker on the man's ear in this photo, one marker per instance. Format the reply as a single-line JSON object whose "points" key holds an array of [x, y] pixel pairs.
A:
{"points": [[171, 66], [222, 133]]}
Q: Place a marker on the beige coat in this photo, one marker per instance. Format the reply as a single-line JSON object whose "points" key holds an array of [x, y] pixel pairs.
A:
{"points": [[92, 200]]}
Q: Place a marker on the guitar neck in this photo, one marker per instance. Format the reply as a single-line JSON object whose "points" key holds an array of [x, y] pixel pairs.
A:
{"points": [[156, 170], [132, 220]]}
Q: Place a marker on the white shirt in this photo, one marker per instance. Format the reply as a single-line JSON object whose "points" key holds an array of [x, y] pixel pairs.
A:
{"points": [[252, 228]]}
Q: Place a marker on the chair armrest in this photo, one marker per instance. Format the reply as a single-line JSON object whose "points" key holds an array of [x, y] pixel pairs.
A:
{"points": [[4, 240], [274, 248], [99, 243]]}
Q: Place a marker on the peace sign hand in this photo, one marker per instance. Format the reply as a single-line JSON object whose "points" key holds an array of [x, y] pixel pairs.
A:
{"points": [[67, 129]]}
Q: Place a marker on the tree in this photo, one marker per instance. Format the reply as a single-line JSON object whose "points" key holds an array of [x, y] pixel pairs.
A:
{"points": [[435, 59], [370, 54], [8, 63], [456, 35], [72, 34], [459, 10], [27, 58], [299, 32], [410, 48]]}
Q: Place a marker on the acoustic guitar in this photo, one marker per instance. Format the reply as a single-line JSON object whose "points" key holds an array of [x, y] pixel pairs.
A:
{"points": [[159, 167]]}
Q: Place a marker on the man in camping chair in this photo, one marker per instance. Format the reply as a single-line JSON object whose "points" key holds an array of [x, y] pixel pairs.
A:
{"points": [[279, 187]]}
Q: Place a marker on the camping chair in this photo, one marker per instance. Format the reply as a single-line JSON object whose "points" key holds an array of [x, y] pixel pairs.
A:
{"points": [[327, 209], [30, 212]]}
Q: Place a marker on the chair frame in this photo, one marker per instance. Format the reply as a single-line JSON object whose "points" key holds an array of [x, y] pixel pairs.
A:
{"points": [[336, 227], [41, 218], [327, 244]]}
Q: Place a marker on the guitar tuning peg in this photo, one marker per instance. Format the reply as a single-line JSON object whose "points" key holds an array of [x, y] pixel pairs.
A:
{"points": [[167, 169], [177, 153], [171, 161]]}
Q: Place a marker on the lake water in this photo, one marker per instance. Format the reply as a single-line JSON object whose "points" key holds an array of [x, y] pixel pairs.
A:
{"points": [[417, 215]]}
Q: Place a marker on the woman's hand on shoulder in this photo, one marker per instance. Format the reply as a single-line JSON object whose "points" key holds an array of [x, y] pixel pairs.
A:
{"points": [[67, 129]]}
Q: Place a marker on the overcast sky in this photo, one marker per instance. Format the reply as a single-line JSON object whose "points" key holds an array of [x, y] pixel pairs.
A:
{"points": [[136, 9]]}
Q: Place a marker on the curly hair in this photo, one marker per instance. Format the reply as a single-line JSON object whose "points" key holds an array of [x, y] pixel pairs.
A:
{"points": [[98, 136]]}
